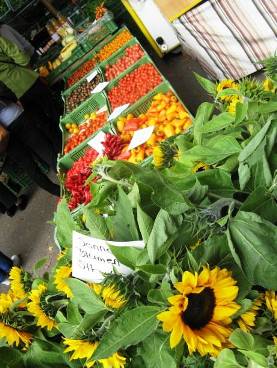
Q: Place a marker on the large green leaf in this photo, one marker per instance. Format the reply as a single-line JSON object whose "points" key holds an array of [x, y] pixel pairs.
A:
{"points": [[145, 223], [77, 331], [203, 114], [85, 297], [220, 149], [227, 359], [156, 353], [65, 225], [255, 243], [124, 223], [46, 354], [261, 202], [255, 141], [165, 226], [218, 122], [11, 358], [126, 255], [95, 223], [128, 329], [215, 252], [205, 83]]}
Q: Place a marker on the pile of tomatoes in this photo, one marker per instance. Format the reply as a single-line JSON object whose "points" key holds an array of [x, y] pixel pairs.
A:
{"points": [[134, 85], [93, 123], [131, 55], [76, 177], [81, 72]]}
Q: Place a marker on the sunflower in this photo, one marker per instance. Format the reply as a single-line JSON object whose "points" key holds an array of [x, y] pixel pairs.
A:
{"points": [[110, 294], [271, 302], [158, 157], [19, 283], [165, 154], [224, 84], [232, 107], [12, 335], [83, 349], [62, 274], [247, 319], [268, 85], [201, 312], [38, 305], [201, 166], [6, 300]]}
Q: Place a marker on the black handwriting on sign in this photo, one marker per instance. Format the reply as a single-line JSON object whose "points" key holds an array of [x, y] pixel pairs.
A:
{"points": [[95, 247]]}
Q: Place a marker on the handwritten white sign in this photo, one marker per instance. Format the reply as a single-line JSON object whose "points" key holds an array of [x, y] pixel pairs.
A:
{"points": [[141, 136], [117, 111], [99, 87], [92, 75], [91, 257], [97, 142]]}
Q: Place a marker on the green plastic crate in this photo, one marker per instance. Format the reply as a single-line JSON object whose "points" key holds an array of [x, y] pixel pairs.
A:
{"points": [[93, 53], [18, 176], [106, 28], [69, 73], [144, 60], [69, 90], [65, 162], [141, 107], [77, 53], [113, 59], [143, 104], [94, 103]]}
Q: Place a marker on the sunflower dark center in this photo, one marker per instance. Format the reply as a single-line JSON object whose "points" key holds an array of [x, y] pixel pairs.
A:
{"points": [[200, 309], [201, 168]]}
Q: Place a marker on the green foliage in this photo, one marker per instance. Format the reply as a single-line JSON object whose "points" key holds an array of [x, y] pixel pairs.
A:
{"points": [[129, 329]]}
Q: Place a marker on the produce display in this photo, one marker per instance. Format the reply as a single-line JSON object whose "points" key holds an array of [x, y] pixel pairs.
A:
{"points": [[75, 182], [83, 70], [178, 256], [76, 177], [134, 85], [80, 94], [79, 133], [130, 56], [168, 116], [110, 48]]}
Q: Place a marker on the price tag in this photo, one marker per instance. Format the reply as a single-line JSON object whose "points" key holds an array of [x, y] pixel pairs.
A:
{"points": [[91, 257], [97, 142], [100, 87], [141, 136], [118, 111], [92, 75]]}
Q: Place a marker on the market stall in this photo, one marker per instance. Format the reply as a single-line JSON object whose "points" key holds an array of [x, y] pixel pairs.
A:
{"points": [[166, 227]]}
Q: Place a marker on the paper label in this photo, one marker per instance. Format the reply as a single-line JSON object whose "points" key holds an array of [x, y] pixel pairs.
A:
{"points": [[97, 142], [117, 111], [99, 87], [91, 257], [141, 136], [92, 75]]}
